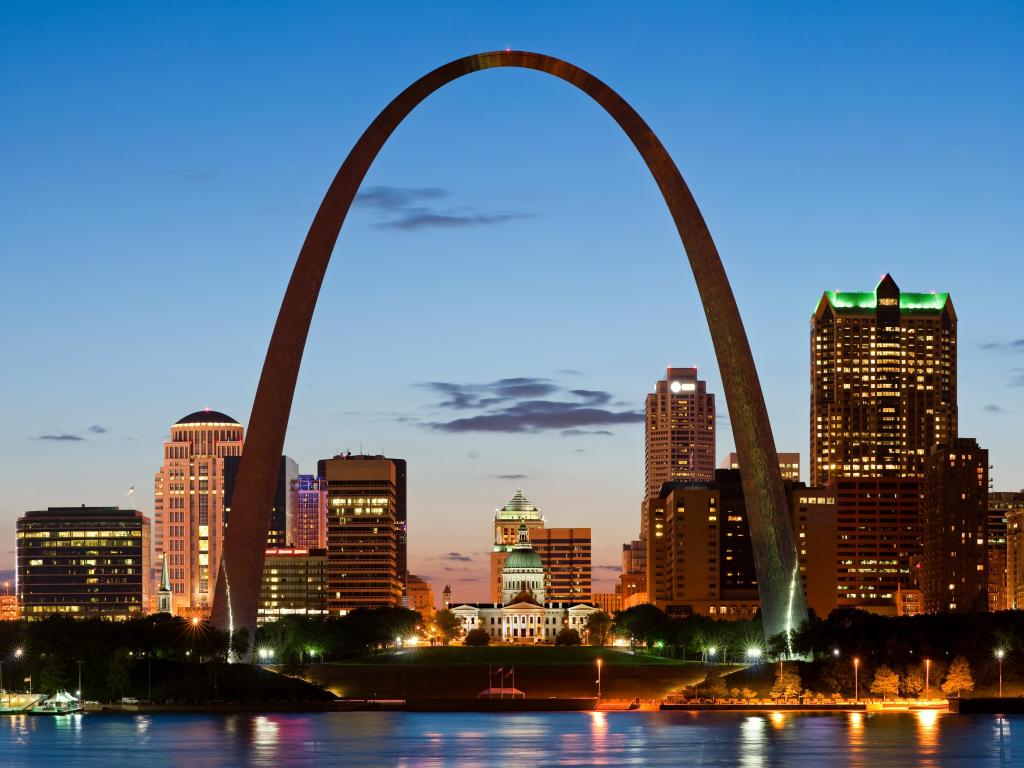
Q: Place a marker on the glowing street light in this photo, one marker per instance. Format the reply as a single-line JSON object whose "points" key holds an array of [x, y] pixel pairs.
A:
{"points": [[1000, 653], [599, 680], [19, 652], [753, 654], [856, 679], [711, 652], [266, 654], [195, 621], [927, 678], [835, 652]]}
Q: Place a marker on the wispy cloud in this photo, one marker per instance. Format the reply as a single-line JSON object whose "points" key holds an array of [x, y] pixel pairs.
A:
{"points": [[1016, 345], [96, 429], [61, 438], [457, 557], [615, 568], [993, 408], [413, 208], [511, 476]]}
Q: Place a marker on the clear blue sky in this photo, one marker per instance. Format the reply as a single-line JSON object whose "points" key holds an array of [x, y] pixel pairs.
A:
{"points": [[161, 163]]}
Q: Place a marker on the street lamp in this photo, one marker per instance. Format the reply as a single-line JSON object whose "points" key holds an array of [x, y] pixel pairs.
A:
{"points": [[856, 679], [711, 652], [599, 680], [835, 652], [753, 654], [999, 656], [927, 678], [266, 654]]}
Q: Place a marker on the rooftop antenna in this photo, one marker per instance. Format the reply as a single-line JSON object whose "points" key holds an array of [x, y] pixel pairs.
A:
{"points": [[131, 497]]}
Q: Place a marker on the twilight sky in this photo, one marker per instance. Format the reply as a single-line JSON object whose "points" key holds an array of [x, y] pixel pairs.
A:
{"points": [[511, 284]]}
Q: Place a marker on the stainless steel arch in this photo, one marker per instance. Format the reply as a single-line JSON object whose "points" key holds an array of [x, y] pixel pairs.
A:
{"points": [[782, 598]]}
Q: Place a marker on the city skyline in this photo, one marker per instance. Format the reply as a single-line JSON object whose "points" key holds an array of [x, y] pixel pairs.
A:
{"points": [[427, 403]]}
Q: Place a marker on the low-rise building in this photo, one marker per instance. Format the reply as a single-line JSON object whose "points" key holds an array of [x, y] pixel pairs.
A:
{"points": [[294, 583]]}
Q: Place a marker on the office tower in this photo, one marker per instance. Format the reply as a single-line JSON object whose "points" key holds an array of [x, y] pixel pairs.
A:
{"points": [[815, 523], [362, 532], [507, 519], [281, 513], [1000, 504], [309, 512], [419, 596], [189, 503], [680, 431], [83, 561], [633, 580], [402, 519], [789, 465], [883, 382], [955, 510], [565, 554], [879, 534], [294, 583], [699, 557]]}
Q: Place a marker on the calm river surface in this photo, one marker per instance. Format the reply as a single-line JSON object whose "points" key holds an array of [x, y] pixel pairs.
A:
{"points": [[370, 739]]}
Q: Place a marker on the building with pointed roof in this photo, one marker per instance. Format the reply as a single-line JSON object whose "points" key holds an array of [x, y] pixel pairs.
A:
{"points": [[883, 381], [164, 595]]}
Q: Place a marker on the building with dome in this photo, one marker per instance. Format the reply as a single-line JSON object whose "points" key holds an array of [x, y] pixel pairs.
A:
{"points": [[188, 505], [523, 615], [565, 552]]}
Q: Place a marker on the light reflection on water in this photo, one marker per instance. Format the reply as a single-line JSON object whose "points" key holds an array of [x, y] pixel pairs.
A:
{"points": [[476, 740]]}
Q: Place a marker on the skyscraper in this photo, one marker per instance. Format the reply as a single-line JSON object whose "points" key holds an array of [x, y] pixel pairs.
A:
{"points": [[883, 381], [955, 510], [294, 583], [309, 512], [189, 503], [680, 431], [86, 562], [362, 532]]}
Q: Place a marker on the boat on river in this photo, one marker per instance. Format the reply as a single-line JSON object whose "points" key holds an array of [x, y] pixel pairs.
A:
{"points": [[61, 703]]}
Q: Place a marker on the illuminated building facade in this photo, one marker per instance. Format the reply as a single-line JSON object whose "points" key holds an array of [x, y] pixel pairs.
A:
{"points": [[565, 554], [294, 583], [633, 580], [609, 602], [309, 512], [789, 466], [86, 562], [680, 431], [189, 504], [815, 524], [883, 382], [878, 522], [955, 543], [362, 532], [1015, 559], [1000, 504], [699, 555]]}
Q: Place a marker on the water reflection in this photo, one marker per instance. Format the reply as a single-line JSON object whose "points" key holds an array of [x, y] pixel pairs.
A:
{"points": [[752, 742], [411, 740], [927, 735]]}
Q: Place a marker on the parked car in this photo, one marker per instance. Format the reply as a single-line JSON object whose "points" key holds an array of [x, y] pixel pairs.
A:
{"points": [[129, 700]]}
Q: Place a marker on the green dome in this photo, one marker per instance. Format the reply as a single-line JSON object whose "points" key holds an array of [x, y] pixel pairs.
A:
{"points": [[523, 558]]}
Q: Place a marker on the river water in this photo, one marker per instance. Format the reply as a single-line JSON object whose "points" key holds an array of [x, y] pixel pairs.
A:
{"points": [[649, 739]]}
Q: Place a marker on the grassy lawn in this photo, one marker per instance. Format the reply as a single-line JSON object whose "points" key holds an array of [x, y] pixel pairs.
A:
{"points": [[518, 654]]}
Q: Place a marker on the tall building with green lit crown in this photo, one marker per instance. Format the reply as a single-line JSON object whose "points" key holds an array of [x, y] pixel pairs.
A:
{"points": [[883, 381]]}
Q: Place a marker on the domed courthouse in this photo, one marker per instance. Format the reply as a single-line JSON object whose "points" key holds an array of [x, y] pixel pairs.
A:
{"points": [[523, 616]]}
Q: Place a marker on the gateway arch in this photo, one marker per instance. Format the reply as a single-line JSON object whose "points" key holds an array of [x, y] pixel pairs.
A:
{"points": [[783, 606]]}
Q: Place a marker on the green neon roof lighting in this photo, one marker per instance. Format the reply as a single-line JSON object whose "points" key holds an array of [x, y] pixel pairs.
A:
{"points": [[868, 300]]}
